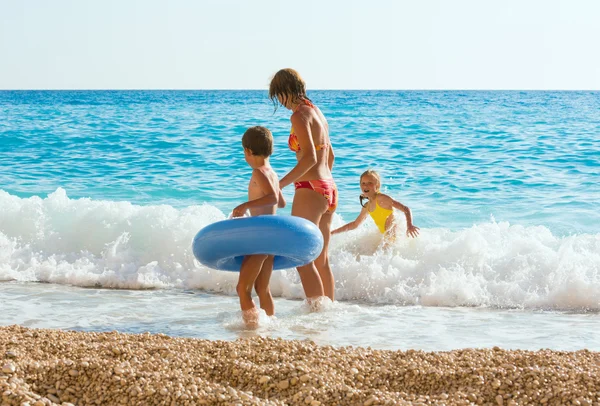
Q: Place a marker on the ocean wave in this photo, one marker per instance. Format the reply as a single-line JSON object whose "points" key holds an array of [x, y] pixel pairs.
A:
{"points": [[110, 244]]}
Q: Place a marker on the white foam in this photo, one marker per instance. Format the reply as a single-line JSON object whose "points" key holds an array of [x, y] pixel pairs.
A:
{"points": [[87, 242]]}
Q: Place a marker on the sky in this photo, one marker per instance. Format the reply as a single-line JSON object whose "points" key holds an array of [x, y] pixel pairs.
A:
{"points": [[334, 44]]}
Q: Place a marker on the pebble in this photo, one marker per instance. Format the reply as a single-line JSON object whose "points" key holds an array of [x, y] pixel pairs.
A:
{"points": [[111, 368], [8, 368]]}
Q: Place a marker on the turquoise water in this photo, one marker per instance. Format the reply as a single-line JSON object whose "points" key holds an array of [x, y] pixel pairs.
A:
{"points": [[106, 189], [455, 158]]}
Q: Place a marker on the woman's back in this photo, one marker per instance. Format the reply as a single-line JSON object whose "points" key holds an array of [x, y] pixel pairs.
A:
{"points": [[319, 130]]}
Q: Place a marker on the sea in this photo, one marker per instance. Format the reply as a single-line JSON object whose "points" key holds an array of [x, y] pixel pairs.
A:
{"points": [[102, 193]]}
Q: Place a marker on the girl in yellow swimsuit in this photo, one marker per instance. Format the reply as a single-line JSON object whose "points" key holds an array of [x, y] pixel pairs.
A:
{"points": [[381, 209]]}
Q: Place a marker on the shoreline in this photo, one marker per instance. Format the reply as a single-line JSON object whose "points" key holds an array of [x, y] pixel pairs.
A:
{"points": [[54, 367]]}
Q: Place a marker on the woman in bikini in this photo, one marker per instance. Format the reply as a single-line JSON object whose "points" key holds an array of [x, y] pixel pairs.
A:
{"points": [[316, 196]]}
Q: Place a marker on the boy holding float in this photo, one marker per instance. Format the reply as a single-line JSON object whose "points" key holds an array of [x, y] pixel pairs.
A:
{"points": [[264, 196]]}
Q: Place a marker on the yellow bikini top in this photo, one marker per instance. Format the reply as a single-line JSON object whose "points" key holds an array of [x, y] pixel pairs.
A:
{"points": [[380, 215]]}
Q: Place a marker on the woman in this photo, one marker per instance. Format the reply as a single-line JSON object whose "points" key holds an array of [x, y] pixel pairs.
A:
{"points": [[315, 198]]}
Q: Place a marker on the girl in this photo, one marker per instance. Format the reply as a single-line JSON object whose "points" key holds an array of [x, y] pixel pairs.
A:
{"points": [[381, 209], [315, 197]]}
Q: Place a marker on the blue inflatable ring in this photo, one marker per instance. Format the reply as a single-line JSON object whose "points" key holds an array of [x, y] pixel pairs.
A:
{"points": [[293, 240]]}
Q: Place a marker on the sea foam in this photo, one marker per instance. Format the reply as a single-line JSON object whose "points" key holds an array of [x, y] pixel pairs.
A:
{"points": [[111, 244]]}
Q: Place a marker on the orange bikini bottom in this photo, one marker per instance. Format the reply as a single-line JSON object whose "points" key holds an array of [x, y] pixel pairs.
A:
{"points": [[325, 187]]}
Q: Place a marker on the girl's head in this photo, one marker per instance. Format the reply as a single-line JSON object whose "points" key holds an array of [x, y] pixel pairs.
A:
{"points": [[287, 87], [370, 183]]}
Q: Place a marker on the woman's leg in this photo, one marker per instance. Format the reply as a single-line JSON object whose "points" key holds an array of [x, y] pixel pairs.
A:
{"points": [[262, 287], [322, 262], [310, 205]]}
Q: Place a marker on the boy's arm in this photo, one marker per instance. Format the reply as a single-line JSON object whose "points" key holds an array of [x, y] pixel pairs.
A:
{"points": [[281, 201], [352, 225], [411, 229], [270, 197], [307, 148]]}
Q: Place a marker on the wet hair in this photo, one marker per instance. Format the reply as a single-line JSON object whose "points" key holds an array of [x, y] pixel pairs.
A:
{"points": [[372, 173], [259, 141], [287, 83]]}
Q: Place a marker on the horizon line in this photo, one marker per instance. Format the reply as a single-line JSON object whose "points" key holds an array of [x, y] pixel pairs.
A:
{"points": [[316, 89]]}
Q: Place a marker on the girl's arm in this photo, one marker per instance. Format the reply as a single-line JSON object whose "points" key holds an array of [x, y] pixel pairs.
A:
{"points": [[308, 152], [351, 226], [411, 230], [271, 198]]}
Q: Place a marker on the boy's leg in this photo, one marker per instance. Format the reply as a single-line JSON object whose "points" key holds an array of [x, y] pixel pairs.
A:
{"points": [[262, 286], [251, 266]]}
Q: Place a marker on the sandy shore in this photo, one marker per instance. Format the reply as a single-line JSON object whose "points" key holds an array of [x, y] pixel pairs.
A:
{"points": [[48, 367]]}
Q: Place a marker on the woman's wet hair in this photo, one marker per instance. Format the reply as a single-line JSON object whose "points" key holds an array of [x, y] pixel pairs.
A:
{"points": [[288, 84]]}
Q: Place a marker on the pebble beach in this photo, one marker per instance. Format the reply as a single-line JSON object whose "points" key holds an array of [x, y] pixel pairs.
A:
{"points": [[57, 367]]}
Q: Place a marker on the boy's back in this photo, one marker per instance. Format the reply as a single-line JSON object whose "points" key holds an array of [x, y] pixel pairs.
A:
{"points": [[256, 188], [264, 195]]}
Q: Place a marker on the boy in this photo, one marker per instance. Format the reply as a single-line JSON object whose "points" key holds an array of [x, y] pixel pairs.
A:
{"points": [[264, 196]]}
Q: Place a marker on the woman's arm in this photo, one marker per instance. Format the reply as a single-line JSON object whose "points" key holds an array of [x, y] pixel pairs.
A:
{"points": [[331, 157], [308, 153]]}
